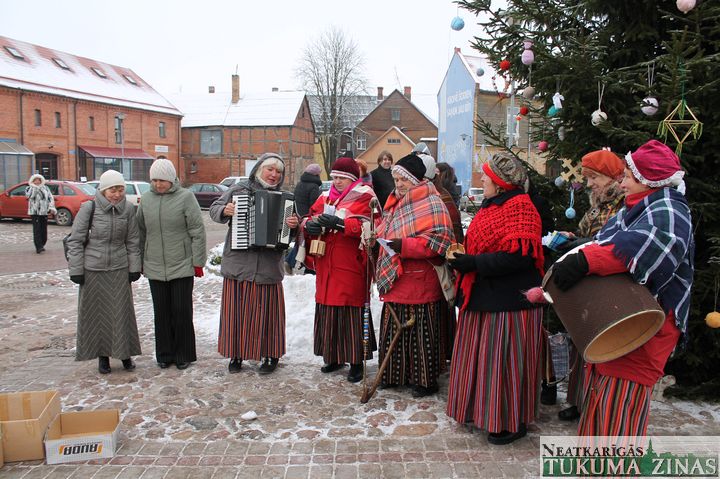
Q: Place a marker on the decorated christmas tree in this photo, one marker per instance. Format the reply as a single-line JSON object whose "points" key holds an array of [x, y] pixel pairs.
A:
{"points": [[625, 72]]}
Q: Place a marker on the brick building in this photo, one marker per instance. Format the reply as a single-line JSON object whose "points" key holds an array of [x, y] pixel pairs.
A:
{"points": [[70, 117], [223, 134]]}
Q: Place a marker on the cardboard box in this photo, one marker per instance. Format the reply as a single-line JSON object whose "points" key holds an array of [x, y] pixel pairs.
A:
{"points": [[24, 417], [83, 435]]}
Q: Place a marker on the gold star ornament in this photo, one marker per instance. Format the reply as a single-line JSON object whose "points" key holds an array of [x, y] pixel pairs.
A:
{"points": [[680, 127]]}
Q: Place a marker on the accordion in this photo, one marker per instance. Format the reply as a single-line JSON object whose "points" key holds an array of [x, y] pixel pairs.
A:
{"points": [[259, 220]]}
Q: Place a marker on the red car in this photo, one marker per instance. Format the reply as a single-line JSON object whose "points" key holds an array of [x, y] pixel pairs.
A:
{"points": [[69, 195]]}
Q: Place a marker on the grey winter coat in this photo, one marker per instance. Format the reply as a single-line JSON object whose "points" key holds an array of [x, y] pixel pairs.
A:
{"points": [[172, 234], [40, 200], [262, 266], [114, 241]]}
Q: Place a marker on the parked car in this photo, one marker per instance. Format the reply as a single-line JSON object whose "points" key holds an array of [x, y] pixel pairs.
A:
{"points": [[326, 185], [232, 180], [69, 195], [133, 189], [471, 200], [206, 193]]}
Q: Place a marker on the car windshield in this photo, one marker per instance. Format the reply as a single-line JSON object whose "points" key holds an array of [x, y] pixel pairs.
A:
{"points": [[143, 187], [86, 188]]}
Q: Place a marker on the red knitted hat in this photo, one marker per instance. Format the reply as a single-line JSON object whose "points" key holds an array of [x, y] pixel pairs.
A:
{"points": [[345, 168], [604, 162], [654, 164]]}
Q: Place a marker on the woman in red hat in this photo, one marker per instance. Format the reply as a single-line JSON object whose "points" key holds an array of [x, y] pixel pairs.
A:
{"points": [[342, 282], [651, 238]]}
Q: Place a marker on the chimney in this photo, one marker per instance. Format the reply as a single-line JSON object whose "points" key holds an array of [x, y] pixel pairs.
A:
{"points": [[235, 88], [274, 89], [408, 93], [380, 94], [211, 89]]}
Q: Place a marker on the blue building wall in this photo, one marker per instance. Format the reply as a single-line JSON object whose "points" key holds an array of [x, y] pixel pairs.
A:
{"points": [[456, 101]]}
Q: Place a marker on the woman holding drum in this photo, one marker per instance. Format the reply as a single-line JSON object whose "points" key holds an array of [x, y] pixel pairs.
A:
{"points": [[651, 238], [494, 373]]}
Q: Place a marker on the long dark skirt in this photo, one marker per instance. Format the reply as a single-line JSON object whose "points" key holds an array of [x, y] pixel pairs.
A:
{"points": [[252, 320], [174, 330], [447, 332], [495, 373], [416, 357], [338, 334], [106, 323]]}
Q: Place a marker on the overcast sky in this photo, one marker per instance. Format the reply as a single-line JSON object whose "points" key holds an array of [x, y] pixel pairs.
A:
{"points": [[189, 45]]}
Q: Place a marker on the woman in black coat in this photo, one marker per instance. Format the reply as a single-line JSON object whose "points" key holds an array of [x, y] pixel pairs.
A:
{"points": [[382, 180], [308, 190]]}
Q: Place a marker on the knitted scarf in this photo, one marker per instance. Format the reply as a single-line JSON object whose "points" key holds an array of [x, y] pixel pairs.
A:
{"points": [[506, 223], [419, 214], [609, 204], [655, 241]]}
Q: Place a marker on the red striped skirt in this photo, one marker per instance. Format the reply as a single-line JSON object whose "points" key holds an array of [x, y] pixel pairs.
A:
{"points": [[338, 334], [416, 358], [495, 370], [614, 406], [252, 320]]}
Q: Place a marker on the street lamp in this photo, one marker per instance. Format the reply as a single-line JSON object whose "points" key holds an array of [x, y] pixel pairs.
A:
{"points": [[121, 117]]}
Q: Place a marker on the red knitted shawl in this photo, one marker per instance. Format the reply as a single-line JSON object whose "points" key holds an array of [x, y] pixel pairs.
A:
{"points": [[507, 227]]}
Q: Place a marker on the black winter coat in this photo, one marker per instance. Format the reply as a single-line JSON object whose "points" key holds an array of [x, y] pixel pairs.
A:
{"points": [[382, 183], [306, 192]]}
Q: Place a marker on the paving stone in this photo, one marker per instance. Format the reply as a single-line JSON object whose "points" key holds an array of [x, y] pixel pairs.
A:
{"points": [[131, 472], [154, 473], [346, 471], [417, 470], [224, 472], [297, 472]]}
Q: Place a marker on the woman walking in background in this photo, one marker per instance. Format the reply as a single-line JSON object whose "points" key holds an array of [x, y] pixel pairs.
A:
{"points": [[172, 238], [494, 373], [40, 203], [104, 258], [382, 179]]}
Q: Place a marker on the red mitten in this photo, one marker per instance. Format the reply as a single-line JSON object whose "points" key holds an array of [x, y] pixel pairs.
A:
{"points": [[198, 271]]}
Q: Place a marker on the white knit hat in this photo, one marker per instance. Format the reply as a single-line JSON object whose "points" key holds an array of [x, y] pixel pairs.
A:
{"points": [[429, 163], [109, 179], [163, 169]]}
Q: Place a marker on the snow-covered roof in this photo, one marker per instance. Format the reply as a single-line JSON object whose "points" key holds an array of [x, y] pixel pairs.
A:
{"points": [[276, 108], [40, 69]]}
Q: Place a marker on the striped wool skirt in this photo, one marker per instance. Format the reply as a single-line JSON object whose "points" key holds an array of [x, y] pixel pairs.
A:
{"points": [[338, 334], [106, 323], [614, 406], [416, 357], [252, 320], [495, 370]]}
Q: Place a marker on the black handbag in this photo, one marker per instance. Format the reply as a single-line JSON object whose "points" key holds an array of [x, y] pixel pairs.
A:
{"points": [[87, 234]]}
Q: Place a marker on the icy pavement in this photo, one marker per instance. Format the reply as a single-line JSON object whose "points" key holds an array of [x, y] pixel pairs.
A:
{"points": [[178, 424]]}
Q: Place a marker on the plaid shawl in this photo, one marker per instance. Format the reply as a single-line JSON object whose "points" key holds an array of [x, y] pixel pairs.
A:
{"points": [[597, 216], [654, 239], [419, 214]]}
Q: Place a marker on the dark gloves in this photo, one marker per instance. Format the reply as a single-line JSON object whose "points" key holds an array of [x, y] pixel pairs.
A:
{"points": [[465, 263], [78, 278], [313, 228], [133, 277], [331, 221], [570, 270], [396, 245], [199, 273]]}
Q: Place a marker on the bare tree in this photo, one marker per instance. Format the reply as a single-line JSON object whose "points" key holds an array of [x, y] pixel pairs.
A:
{"points": [[332, 72]]}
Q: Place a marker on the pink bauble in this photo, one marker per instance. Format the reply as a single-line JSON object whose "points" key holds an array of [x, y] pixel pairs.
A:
{"points": [[527, 57], [685, 5], [543, 146]]}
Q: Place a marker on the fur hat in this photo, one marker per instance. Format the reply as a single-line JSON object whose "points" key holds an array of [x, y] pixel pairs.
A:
{"points": [[313, 169], [655, 165], [163, 169], [604, 162], [507, 172], [345, 167], [109, 179], [410, 167], [36, 176], [429, 163]]}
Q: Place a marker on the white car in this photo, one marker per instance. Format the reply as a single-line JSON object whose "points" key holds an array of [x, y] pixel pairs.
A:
{"points": [[471, 199], [133, 189], [233, 180]]}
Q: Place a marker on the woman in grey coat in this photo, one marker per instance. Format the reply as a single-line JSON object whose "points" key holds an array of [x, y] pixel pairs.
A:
{"points": [[104, 258], [40, 203], [252, 312], [172, 238]]}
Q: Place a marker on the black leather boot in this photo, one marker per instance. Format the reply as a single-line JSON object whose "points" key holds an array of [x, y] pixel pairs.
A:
{"points": [[104, 365], [268, 366], [128, 364], [356, 373]]}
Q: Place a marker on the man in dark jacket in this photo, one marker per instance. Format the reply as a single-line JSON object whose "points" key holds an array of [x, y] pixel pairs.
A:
{"points": [[308, 190], [382, 179]]}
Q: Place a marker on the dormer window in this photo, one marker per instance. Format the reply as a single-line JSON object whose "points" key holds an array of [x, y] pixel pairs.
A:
{"points": [[130, 79], [14, 52], [98, 72], [61, 64]]}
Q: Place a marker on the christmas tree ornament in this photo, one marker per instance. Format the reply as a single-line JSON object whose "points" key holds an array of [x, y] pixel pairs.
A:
{"points": [[518, 118], [457, 24], [505, 65], [557, 100], [679, 127], [685, 5], [543, 146], [571, 172], [559, 181], [480, 72], [561, 133], [528, 93], [527, 57], [524, 110], [570, 212], [552, 111], [649, 105], [599, 116], [713, 319]]}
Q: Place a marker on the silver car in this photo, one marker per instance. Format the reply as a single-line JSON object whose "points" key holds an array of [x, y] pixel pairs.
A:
{"points": [[471, 199]]}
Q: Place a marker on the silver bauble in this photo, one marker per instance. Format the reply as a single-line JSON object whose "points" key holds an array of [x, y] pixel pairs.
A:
{"points": [[649, 106], [597, 117], [561, 133], [528, 93]]}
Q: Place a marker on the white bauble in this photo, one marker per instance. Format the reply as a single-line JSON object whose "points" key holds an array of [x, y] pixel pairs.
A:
{"points": [[597, 117], [685, 5], [561, 133], [649, 106], [528, 93]]}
